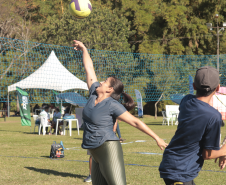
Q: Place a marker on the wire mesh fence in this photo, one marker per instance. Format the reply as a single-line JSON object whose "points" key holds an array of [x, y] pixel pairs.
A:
{"points": [[153, 75]]}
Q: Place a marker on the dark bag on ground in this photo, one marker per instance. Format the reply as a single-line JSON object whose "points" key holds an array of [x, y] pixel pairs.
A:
{"points": [[57, 150]]}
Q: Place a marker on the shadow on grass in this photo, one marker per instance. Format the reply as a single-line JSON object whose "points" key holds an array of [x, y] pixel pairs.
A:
{"points": [[3, 119], [46, 157], [30, 133], [79, 138], [77, 129], [56, 173], [8, 131]]}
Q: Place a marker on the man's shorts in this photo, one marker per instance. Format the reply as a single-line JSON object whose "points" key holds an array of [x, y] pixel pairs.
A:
{"points": [[172, 182]]}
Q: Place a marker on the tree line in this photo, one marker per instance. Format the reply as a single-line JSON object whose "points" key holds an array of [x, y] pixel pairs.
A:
{"points": [[174, 27]]}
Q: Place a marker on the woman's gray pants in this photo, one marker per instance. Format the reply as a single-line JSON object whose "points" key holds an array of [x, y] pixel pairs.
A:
{"points": [[108, 164]]}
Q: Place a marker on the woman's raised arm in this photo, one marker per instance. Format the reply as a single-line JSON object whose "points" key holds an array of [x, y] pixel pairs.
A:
{"points": [[87, 62]]}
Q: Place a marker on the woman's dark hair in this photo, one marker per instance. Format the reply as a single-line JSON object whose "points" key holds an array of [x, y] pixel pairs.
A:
{"points": [[58, 110], [118, 90]]}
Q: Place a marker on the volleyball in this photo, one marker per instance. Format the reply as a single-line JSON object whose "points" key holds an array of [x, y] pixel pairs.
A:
{"points": [[80, 8]]}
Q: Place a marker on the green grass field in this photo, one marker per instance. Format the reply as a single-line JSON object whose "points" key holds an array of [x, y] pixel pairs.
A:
{"points": [[24, 157]]}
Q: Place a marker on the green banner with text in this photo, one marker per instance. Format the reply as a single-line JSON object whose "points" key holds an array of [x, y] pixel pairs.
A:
{"points": [[24, 107]]}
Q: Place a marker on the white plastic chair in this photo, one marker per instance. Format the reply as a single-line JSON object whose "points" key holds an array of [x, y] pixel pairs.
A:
{"points": [[51, 115], [165, 118], [176, 118], [171, 112], [69, 126], [51, 112], [35, 117], [65, 126], [44, 124]]}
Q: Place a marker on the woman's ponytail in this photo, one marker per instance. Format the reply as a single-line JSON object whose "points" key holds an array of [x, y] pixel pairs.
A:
{"points": [[118, 90], [128, 102]]}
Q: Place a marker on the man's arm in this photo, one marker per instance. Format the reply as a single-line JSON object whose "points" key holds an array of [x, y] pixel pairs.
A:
{"points": [[213, 154]]}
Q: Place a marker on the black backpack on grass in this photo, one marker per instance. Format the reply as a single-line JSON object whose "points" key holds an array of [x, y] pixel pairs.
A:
{"points": [[57, 150]]}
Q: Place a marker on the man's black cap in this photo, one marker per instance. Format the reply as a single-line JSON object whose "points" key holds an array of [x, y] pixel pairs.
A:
{"points": [[207, 78]]}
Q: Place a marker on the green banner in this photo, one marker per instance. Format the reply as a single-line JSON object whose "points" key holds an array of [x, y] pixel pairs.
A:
{"points": [[24, 107]]}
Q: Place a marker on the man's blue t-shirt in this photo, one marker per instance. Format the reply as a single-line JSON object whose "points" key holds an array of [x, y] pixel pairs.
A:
{"points": [[99, 119], [198, 129]]}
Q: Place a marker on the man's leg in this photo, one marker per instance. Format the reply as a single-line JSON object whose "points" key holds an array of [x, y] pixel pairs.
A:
{"points": [[90, 164], [118, 131], [89, 179], [53, 126]]}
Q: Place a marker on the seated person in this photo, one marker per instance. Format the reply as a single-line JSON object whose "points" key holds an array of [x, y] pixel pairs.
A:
{"points": [[45, 114], [56, 115], [36, 107], [67, 112], [44, 105], [52, 106]]}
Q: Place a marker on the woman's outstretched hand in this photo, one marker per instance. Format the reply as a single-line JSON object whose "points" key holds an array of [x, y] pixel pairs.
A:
{"points": [[161, 143], [78, 46]]}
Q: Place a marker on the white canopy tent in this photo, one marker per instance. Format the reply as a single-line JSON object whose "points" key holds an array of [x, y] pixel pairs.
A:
{"points": [[51, 75]]}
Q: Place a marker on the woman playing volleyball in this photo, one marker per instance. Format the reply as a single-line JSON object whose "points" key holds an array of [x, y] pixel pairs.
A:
{"points": [[99, 115]]}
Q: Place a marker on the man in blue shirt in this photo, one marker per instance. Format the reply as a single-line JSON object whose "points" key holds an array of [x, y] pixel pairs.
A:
{"points": [[197, 137]]}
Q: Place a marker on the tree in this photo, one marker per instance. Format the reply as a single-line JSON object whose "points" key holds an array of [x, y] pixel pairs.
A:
{"points": [[102, 30], [175, 27], [180, 27]]}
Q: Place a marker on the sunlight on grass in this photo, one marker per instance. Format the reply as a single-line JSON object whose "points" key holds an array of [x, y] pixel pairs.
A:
{"points": [[24, 156]]}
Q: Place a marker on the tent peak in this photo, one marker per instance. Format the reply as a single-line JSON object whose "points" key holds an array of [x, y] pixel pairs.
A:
{"points": [[50, 75]]}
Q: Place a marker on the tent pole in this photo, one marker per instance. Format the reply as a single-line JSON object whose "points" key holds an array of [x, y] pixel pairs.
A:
{"points": [[61, 107], [70, 107], [8, 106]]}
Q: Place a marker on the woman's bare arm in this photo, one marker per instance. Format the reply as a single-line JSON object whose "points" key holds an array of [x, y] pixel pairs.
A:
{"points": [[135, 122], [87, 62]]}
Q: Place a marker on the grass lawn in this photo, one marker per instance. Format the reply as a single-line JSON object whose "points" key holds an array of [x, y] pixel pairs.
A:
{"points": [[24, 157]]}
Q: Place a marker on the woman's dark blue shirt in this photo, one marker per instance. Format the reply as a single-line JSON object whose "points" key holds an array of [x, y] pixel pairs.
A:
{"points": [[100, 119]]}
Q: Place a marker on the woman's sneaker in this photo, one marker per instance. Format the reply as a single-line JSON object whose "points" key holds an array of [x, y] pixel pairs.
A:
{"points": [[88, 179]]}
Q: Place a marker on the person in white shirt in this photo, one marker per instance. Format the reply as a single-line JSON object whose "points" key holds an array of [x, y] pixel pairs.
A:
{"points": [[46, 115]]}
